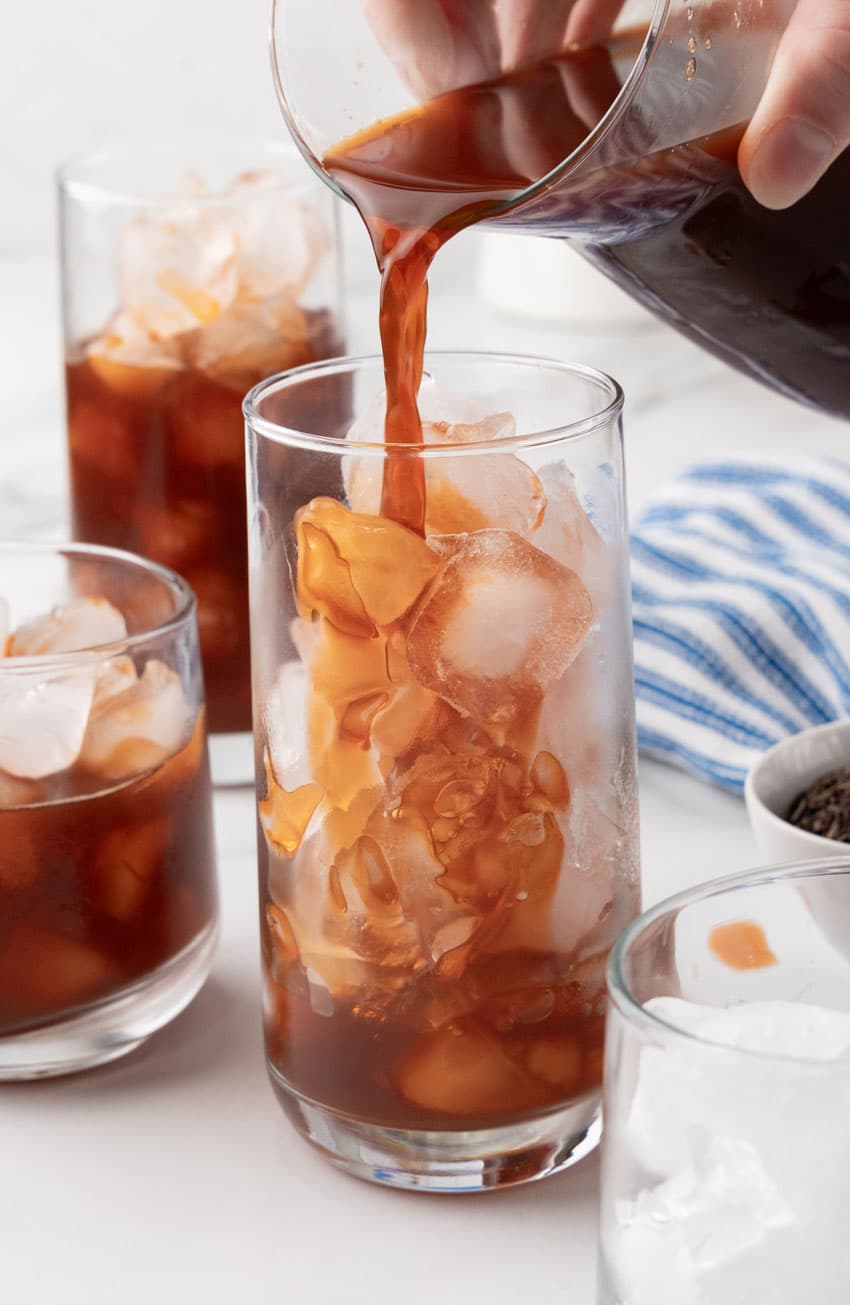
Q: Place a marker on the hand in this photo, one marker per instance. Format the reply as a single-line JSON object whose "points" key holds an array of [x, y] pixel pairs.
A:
{"points": [[803, 121], [799, 129], [439, 45]]}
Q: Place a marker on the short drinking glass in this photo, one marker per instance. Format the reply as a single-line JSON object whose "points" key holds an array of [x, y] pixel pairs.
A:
{"points": [[446, 762], [726, 1159], [108, 905], [190, 272]]}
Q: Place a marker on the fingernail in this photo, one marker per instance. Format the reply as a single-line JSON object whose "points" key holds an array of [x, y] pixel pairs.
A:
{"points": [[789, 160]]}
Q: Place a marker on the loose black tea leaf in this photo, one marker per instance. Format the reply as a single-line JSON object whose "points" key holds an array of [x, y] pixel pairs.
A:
{"points": [[825, 807]]}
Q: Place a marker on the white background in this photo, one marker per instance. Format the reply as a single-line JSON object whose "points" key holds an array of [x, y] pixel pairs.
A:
{"points": [[76, 75]]}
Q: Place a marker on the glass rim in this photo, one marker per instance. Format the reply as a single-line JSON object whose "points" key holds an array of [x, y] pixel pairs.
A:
{"points": [[619, 991], [182, 591], [569, 431], [71, 183]]}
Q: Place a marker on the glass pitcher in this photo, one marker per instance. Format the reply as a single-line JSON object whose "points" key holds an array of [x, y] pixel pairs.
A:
{"points": [[650, 191]]}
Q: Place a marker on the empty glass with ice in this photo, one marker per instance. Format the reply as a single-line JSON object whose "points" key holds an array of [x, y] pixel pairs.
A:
{"points": [[190, 273], [725, 1175], [445, 758], [108, 906]]}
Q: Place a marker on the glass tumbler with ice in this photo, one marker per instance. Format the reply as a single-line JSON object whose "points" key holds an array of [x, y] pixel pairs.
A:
{"points": [[446, 763], [726, 1159], [190, 272], [108, 904]]}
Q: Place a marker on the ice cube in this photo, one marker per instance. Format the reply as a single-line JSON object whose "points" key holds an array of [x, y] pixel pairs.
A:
{"points": [[567, 533], [43, 719], [474, 493], [464, 1070], [251, 340], [686, 1092], [16, 792], [124, 865], [136, 730], [178, 271], [185, 767], [292, 794], [714, 1212], [772, 1028], [281, 240], [500, 623], [598, 887], [79, 624], [576, 724], [360, 572], [131, 362], [103, 447], [283, 940], [443, 926], [648, 1264], [178, 533], [557, 1061], [47, 971], [285, 717], [463, 492], [409, 714], [570, 883], [204, 424], [736, 1170], [349, 922], [285, 813], [114, 677], [346, 673]]}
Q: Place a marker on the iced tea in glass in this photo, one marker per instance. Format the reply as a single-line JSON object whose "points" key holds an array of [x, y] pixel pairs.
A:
{"points": [[446, 761], [724, 1175], [189, 274], [108, 904]]}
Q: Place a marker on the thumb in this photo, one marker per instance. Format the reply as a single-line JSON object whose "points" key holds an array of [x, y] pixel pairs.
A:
{"points": [[803, 121]]}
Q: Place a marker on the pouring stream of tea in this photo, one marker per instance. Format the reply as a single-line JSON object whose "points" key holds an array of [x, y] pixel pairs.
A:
{"points": [[420, 178]]}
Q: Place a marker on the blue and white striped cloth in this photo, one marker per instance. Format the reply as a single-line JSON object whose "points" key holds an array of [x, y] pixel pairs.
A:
{"points": [[741, 587]]}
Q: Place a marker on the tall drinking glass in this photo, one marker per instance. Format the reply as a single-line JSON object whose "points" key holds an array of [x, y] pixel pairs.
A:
{"points": [[190, 272], [108, 903], [725, 1176], [445, 762]]}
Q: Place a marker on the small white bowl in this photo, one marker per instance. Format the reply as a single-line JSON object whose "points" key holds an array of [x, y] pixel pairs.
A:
{"points": [[785, 771]]}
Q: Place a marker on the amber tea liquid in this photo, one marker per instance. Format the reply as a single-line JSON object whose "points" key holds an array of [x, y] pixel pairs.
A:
{"points": [[158, 467], [99, 889]]}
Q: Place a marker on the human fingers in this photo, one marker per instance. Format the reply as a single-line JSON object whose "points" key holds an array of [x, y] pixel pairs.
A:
{"points": [[436, 45], [592, 21], [530, 30], [802, 124]]}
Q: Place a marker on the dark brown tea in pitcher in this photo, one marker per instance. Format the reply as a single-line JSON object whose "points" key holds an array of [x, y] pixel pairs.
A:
{"points": [[769, 292]]}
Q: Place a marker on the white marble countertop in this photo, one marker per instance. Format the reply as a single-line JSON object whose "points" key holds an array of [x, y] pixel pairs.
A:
{"points": [[172, 1176]]}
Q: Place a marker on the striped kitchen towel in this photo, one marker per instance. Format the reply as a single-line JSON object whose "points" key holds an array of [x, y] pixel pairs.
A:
{"points": [[741, 587]]}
